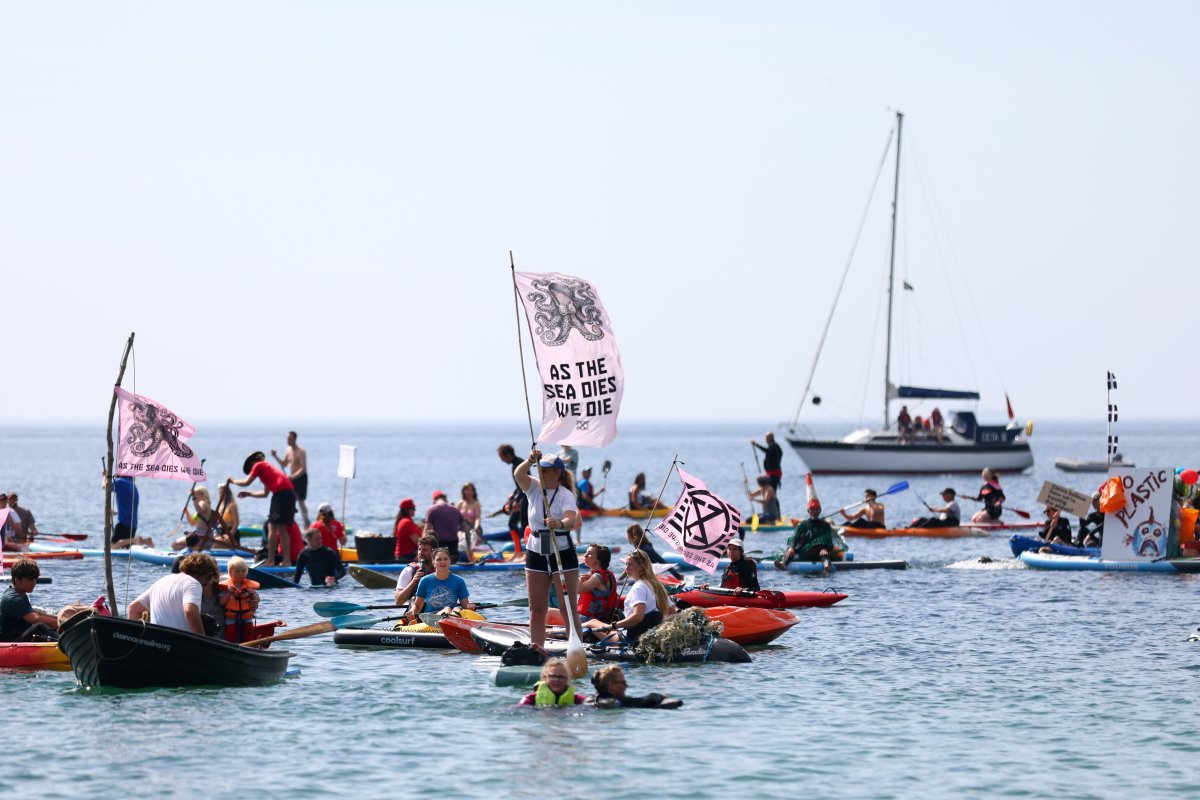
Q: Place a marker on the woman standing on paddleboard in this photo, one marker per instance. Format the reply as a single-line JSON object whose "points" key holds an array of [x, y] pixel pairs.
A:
{"points": [[552, 517]]}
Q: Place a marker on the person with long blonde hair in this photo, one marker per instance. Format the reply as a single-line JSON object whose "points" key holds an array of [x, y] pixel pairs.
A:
{"points": [[646, 604]]}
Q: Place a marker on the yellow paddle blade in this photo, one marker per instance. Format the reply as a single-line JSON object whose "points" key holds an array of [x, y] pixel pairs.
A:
{"points": [[467, 613], [754, 523]]}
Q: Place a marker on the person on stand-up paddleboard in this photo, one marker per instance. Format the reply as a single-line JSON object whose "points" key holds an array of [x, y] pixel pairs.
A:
{"points": [[295, 461], [772, 459], [283, 502], [517, 504], [553, 513]]}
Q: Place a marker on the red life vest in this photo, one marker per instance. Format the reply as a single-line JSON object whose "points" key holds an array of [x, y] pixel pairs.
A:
{"points": [[600, 603]]}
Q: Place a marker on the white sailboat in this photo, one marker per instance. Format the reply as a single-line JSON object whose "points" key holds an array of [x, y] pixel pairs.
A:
{"points": [[965, 446]]}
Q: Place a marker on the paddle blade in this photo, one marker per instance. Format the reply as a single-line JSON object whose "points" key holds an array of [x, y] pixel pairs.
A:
{"points": [[336, 609], [521, 602], [576, 656], [1020, 513], [74, 537], [345, 621], [754, 523], [897, 487]]}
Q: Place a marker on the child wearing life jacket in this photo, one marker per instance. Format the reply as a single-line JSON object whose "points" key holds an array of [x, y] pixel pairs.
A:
{"points": [[240, 600], [554, 689]]}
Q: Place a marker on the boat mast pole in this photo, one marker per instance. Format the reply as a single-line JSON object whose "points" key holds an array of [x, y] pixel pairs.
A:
{"points": [[108, 488], [887, 369]]}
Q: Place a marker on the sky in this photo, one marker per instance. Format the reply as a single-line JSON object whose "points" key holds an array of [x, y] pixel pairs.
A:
{"points": [[305, 209]]}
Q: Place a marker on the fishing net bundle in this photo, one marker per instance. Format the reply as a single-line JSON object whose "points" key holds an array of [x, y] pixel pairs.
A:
{"points": [[688, 628]]}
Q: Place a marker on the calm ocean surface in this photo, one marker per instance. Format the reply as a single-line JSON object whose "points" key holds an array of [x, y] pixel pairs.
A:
{"points": [[949, 679]]}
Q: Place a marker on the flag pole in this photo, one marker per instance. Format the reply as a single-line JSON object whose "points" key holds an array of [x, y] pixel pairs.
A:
{"points": [[576, 657], [345, 486], [108, 487], [657, 501]]}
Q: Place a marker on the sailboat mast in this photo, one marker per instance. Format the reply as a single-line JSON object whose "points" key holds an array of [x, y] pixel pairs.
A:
{"points": [[887, 369]]}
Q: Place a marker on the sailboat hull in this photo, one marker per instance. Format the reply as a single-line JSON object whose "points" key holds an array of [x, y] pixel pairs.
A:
{"points": [[857, 458]]}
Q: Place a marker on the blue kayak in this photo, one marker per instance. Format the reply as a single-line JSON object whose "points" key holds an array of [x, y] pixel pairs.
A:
{"points": [[1020, 544]]}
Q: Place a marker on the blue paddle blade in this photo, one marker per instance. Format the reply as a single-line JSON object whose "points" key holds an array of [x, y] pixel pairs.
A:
{"points": [[336, 609], [354, 621], [897, 487]]}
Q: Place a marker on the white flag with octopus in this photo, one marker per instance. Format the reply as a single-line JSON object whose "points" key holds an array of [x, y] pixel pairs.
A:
{"points": [[578, 361], [154, 441]]}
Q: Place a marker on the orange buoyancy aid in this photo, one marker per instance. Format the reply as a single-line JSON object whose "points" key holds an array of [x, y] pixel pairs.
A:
{"points": [[600, 603], [237, 599]]}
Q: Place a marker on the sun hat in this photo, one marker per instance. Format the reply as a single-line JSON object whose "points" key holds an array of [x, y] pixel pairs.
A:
{"points": [[251, 459], [736, 542]]}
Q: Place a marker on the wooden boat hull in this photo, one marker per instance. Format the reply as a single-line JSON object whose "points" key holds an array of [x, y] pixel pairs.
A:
{"points": [[127, 654]]}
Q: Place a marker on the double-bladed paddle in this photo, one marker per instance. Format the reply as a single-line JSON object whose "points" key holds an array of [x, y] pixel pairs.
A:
{"points": [[63, 537], [893, 489]]}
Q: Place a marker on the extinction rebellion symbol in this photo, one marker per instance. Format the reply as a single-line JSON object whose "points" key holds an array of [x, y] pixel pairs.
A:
{"points": [[706, 520]]}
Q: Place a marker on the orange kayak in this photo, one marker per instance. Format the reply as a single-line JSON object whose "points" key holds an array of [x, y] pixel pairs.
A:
{"points": [[748, 626], [11, 557], [659, 511], [32, 655]]}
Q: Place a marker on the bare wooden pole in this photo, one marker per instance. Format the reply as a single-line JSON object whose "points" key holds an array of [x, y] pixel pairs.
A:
{"points": [[108, 486]]}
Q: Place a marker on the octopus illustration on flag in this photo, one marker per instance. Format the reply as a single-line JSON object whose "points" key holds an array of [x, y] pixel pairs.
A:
{"points": [[153, 441], [578, 361], [700, 525]]}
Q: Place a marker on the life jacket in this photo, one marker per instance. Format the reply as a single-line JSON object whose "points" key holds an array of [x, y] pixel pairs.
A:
{"points": [[237, 599], [598, 603], [545, 697], [731, 579]]}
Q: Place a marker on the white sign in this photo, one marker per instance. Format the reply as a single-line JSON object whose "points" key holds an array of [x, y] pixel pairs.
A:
{"points": [[1065, 499], [1138, 532], [346, 461]]}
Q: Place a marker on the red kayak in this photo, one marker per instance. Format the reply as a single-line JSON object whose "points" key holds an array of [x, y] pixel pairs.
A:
{"points": [[765, 598], [11, 556]]}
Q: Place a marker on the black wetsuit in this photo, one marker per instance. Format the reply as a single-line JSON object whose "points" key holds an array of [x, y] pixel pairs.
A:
{"points": [[1092, 524], [1061, 529], [741, 574], [320, 563], [772, 462]]}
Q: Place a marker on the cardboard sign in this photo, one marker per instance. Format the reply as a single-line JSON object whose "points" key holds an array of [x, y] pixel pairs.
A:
{"points": [[346, 461], [1064, 499], [1138, 532]]}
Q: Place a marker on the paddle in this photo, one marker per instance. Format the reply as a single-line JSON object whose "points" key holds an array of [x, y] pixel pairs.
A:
{"points": [[604, 485], [337, 623], [753, 511], [893, 489], [66, 537], [1020, 513], [336, 609]]}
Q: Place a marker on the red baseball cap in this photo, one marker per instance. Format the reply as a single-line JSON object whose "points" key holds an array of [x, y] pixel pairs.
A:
{"points": [[408, 503], [437, 494]]}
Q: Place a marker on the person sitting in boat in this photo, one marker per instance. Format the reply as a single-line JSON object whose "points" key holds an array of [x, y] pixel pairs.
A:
{"points": [[871, 515], [948, 515], [10, 527], [904, 425], [1056, 529], [765, 493], [598, 598], [742, 572], [1091, 527], [992, 497], [611, 686], [637, 537], [323, 563], [441, 591], [24, 516], [587, 492], [175, 600], [231, 518], [410, 576], [638, 499], [812, 540], [937, 424], [333, 533], [19, 620], [646, 604], [554, 688], [238, 598]]}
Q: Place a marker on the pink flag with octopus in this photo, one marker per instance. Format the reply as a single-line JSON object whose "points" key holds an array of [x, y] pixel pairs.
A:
{"points": [[153, 441]]}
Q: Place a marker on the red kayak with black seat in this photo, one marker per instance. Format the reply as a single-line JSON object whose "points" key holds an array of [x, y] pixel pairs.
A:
{"points": [[708, 597]]}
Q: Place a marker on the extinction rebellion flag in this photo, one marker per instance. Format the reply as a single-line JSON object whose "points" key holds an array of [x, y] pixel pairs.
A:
{"points": [[154, 441], [578, 361], [700, 525]]}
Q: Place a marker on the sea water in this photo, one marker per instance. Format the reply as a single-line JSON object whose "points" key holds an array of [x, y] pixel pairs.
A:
{"points": [[952, 678]]}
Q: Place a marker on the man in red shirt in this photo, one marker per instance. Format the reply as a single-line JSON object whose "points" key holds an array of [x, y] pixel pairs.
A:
{"points": [[283, 502]]}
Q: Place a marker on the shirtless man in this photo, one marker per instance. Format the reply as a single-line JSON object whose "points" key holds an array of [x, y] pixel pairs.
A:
{"points": [[295, 461], [869, 516]]}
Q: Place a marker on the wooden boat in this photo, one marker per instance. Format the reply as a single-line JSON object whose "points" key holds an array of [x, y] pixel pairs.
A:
{"points": [[957, 532], [33, 655], [966, 445], [130, 654]]}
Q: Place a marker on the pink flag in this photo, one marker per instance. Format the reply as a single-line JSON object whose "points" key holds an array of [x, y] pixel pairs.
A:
{"points": [[578, 360], [153, 441], [700, 525]]}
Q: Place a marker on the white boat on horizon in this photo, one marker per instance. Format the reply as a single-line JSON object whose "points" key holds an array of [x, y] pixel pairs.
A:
{"points": [[965, 445]]}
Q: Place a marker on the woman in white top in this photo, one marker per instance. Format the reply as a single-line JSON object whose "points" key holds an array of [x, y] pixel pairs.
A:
{"points": [[646, 604], [548, 549]]}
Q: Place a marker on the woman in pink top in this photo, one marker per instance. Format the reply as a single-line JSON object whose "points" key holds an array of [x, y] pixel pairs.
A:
{"points": [[472, 513], [283, 501]]}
